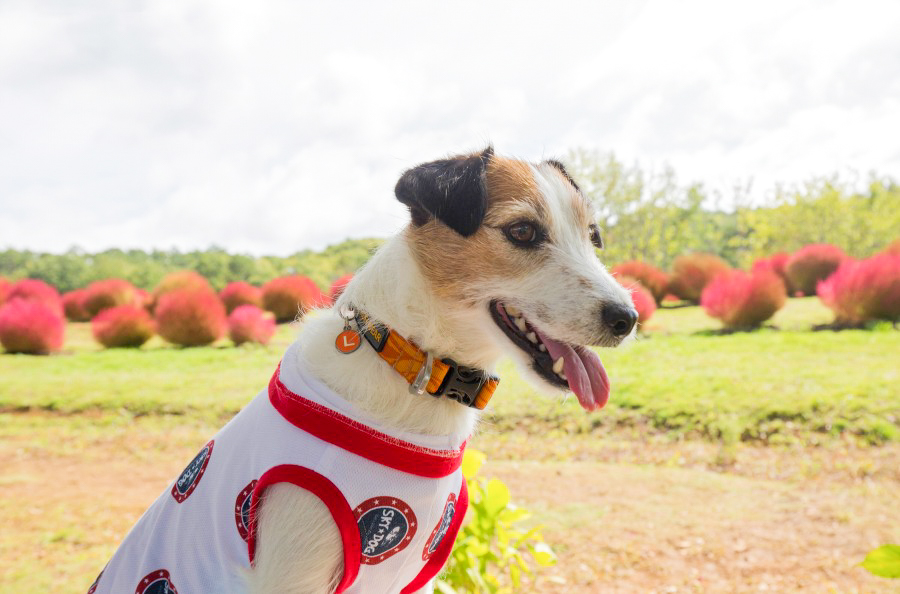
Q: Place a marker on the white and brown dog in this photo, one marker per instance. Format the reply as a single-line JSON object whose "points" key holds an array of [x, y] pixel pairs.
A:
{"points": [[328, 475]]}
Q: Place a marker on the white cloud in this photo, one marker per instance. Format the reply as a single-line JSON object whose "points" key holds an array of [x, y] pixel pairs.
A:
{"points": [[273, 126]]}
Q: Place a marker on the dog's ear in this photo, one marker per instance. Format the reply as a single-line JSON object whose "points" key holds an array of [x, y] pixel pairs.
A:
{"points": [[454, 191], [562, 169]]}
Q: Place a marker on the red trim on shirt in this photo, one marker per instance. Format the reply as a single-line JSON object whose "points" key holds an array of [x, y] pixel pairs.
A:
{"points": [[333, 427], [333, 499], [436, 562]]}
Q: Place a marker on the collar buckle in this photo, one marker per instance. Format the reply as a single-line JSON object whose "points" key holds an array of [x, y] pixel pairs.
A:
{"points": [[462, 383]]}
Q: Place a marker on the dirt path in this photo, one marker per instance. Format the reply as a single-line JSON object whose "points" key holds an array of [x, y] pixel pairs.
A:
{"points": [[622, 516]]}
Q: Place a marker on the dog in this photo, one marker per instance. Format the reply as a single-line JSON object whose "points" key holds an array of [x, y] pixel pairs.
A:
{"points": [[344, 475]]}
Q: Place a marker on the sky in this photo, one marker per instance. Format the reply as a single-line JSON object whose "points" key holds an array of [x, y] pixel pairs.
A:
{"points": [[271, 126]]}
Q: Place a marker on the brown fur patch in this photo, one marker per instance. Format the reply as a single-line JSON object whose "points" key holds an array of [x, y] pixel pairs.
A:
{"points": [[512, 190]]}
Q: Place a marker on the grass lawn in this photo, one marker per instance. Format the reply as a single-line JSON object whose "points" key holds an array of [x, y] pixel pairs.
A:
{"points": [[773, 385]]}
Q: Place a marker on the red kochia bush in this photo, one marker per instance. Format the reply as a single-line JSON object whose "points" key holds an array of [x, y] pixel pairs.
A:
{"points": [[811, 264], [642, 298], [776, 263], [30, 327], [73, 305], [122, 326], [866, 290], [107, 293], [190, 317], [337, 287], [38, 291], [744, 300], [653, 279], [692, 272], [240, 293], [290, 296], [5, 286], [892, 248], [182, 279], [249, 323]]}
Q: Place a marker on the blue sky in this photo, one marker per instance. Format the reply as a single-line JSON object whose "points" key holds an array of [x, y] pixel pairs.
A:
{"points": [[269, 126]]}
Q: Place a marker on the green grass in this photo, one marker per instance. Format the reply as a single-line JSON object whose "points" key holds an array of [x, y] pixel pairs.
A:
{"points": [[779, 384]]}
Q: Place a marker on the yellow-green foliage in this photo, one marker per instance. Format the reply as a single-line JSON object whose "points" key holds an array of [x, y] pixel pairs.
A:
{"points": [[883, 561], [494, 548]]}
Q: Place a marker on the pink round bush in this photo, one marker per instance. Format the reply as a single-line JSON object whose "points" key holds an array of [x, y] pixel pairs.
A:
{"points": [[776, 263], [107, 293], [30, 289], [692, 272], [653, 279], [190, 317], [864, 290], [240, 293], [249, 323], [641, 297], [122, 326], [811, 264], [5, 287], [31, 327], [182, 279], [337, 287], [291, 296], [73, 306], [741, 300]]}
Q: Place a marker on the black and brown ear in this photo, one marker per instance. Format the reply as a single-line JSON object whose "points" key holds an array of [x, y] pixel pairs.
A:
{"points": [[454, 191], [562, 169]]}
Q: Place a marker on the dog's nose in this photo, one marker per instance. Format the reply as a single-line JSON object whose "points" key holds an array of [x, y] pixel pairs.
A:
{"points": [[620, 319]]}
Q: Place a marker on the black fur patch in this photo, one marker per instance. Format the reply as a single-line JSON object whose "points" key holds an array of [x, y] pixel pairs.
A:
{"points": [[454, 191], [562, 169]]}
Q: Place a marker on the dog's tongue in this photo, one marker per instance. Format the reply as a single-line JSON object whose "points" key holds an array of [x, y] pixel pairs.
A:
{"points": [[584, 371]]}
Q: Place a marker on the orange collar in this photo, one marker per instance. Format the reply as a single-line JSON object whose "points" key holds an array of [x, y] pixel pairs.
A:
{"points": [[468, 385]]}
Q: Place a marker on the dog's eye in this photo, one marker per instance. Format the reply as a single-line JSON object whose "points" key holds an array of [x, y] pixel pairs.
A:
{"points": [[523, 233], [595, 237]]}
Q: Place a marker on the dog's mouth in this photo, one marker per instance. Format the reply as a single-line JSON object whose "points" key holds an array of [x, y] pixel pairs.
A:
{"points": [[575, 367]]}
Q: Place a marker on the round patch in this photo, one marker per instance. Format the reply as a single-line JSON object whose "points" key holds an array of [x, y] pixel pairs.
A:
{"points": [[242, 510], [386, 527], [440, 531], [190, 476], [156, 582]]}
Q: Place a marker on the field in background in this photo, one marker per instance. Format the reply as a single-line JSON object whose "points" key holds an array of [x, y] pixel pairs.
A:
{"points": [[723, 462]]}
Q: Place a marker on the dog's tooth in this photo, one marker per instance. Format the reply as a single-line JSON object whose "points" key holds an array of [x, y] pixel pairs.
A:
{"points": [[562, 375], [520, 324], [532, 337], [542, 348], [558, 365], [513, 311]]}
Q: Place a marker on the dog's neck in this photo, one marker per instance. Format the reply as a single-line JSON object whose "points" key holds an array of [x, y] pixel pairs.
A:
{"points": [[392, 290]]}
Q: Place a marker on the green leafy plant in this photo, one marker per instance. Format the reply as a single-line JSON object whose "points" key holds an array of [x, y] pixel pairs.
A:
{"points": [[493, 549], [883, 561]]}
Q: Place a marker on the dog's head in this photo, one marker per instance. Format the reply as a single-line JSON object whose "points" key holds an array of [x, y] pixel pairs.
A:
{"points": [[515, 242]]}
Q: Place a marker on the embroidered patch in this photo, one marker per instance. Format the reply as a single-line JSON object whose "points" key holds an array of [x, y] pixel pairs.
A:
{"points": [[440, 531], [386, 527], [156, 582], [242, 510], [190, 476]]}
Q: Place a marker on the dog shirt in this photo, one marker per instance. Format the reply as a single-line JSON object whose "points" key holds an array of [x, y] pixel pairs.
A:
{"points": [[397, 499]]}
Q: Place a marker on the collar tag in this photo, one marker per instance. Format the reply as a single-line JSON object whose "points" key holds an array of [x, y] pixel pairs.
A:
{"points": [[375, 333]]}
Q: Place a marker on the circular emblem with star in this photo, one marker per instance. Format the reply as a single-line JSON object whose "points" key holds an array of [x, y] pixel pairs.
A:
{"points": [[190, 476], [156, 582], [242, 510], [386, 527], [440, 531]]}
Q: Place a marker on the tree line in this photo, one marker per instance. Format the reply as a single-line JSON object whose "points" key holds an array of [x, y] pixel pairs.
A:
{"points": [[644, 216]]}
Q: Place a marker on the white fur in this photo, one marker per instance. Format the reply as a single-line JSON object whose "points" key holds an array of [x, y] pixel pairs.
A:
{"points": [[299, 549]]}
